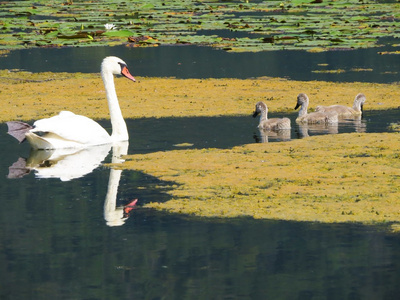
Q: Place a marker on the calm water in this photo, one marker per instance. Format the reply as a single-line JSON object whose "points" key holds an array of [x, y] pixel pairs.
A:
{"points": [[70, 238], [57, 240], [205, 62], [238, 130]]}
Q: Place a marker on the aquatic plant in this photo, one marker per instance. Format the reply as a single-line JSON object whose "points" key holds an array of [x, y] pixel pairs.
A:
{"points": [[37, 95], [229, 25], [332, 178], [356, 182]]}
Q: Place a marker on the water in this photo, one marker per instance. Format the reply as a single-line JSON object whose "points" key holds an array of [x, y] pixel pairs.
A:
{"points": [[71, 239], [229, 131], [205, 62], [166, 257], [58, 242]]}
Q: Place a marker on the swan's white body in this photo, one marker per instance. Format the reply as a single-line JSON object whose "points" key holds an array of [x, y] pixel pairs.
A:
{"points": [[68, 130]]}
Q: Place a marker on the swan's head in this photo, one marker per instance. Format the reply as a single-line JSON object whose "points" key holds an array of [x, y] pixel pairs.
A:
{"points": [[301, 99], [116, 66], [260, 107], [118, 216]]}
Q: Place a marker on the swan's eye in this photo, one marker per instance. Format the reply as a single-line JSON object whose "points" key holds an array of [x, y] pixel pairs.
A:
{"points": [[122, 66], [125, 72]]}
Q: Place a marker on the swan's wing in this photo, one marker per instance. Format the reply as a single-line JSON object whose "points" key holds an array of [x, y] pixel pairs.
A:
{"points": [[339, 109], [72, 127]]}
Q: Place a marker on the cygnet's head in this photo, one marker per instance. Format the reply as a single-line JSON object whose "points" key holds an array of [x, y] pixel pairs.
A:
{"points": [[260, 107], [301, 99]]}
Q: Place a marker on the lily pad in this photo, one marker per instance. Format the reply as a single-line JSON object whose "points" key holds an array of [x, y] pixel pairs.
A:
{"points": [[118, 33], [268, 25]]}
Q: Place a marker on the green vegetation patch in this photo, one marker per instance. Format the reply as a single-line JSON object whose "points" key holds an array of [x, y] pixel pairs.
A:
{"points": [[332, 178], [229, 25], [30, 96]]}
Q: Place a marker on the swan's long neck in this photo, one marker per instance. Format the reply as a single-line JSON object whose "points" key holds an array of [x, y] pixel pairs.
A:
{"points": [[303, 109], [119, 130], [357, 104], [264, 114]]}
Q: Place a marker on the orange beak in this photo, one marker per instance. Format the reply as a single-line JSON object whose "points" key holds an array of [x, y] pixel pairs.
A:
{"points": [[126, 73], [129, 207]]}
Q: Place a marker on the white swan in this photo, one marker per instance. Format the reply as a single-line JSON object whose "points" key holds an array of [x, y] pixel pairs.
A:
{"points": [[68, 130]]}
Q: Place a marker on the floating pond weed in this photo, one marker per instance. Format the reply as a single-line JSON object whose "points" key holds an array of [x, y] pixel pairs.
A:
{"points": [[255, 26], [311, 179]]}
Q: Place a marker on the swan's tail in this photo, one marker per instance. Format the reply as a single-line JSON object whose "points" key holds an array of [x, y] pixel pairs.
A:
{"points": [[18, 129]]}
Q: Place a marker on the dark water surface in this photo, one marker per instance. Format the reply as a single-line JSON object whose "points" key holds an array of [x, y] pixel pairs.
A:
{"points": [[205, 62], [58, 239], [57, 244], [159, 134]]}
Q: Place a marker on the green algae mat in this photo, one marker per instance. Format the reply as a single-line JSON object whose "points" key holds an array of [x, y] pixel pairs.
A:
{"points": [[312, 25], [333, 178]]}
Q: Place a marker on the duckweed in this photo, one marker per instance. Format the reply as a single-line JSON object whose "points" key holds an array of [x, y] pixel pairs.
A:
{"points": [[30, 96], [332, 178], [334, 184]]}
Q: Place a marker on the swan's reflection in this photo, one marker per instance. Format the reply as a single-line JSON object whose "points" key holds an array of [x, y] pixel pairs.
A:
{"points": [[304, 129], [68, 164], [323, 128], [65, 164], [356, 122], [276, 135], [347, 124], [116, 216]]}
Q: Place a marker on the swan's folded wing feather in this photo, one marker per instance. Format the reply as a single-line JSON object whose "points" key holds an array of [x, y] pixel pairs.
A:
{"points": [[72, 127], [339, 109]]}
